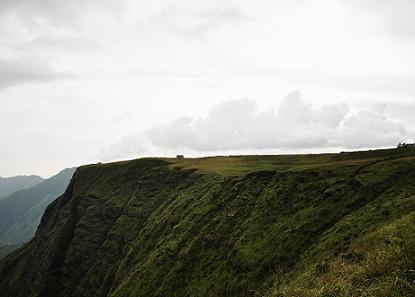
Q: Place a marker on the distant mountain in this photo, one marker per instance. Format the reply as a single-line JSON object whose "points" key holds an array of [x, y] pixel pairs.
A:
{"points": [[20, 213], [7, 249], [9, 185]]}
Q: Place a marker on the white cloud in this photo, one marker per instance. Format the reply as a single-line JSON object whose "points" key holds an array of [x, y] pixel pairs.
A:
{"points": [[55, 12], [196, 22], [391, 17], [371, 128], [28, 69], [238, 125], [160, 60], [36, 35]]}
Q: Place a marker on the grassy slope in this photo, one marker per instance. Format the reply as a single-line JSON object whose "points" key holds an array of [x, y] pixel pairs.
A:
{"points": [[226, 226], [370, 252]]}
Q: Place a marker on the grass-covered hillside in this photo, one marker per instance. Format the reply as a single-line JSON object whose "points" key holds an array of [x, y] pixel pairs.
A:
{"points": [[299, 225]]}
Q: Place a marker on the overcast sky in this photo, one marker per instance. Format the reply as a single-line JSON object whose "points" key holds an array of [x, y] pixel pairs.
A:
{"points": [[88, 81]]}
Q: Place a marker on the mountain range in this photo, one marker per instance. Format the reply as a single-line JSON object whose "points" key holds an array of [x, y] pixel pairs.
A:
{"points": [[9, 185], [20, 212]]}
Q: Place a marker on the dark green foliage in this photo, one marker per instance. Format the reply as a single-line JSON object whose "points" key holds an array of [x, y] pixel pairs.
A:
{"points": [[223, 227]]}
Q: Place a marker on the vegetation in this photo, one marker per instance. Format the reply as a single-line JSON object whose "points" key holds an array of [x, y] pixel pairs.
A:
{"points": [[299, 225], [380, 263]]}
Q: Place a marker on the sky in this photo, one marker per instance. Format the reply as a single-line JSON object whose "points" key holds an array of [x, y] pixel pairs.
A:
{"points": [[89, 81]]}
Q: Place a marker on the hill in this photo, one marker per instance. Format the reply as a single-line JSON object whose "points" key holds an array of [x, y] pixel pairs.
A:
{"points": [[298, 225], [20, 213], [9, 185]]}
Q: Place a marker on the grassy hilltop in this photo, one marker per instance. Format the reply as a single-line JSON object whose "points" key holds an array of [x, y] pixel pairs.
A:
{"points": [[293, 225]]}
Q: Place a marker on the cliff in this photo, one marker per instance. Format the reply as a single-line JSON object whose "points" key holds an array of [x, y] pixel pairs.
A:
{"points": [[224, 226]]}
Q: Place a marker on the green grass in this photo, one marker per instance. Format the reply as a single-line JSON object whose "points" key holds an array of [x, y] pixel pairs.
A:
{"points": [[240, 165], [297, 225], [378, 263]]}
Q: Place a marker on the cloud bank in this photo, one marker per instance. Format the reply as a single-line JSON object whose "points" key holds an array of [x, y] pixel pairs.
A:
{"points": [[53, 12], [238, 125], [396, 16], [36, 36], [14, 72]]}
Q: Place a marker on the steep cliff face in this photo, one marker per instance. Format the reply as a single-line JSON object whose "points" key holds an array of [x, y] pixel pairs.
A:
{"points": [[154, 227]]}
